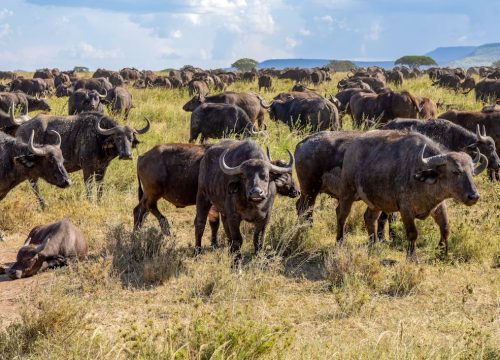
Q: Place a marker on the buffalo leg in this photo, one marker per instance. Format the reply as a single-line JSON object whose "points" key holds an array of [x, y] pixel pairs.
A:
{"points": [[99, 178], [343, 210], [164, 225], [382, 220], [88, 178], [202, 209], [371, 221], [214, 221], [305, 204], [38, 194], [411, 233], [440, 216], [236, 239], [259, 234], [140, 214]]}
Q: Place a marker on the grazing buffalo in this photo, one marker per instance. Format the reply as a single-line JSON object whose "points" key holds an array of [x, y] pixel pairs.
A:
{"points": [[49, 246], [171, 172], [33, 87], [9, 123], [344, 96], [393, 171], [487, 89], [489, 121], [237, 178], [20, 161], [198, 87], [101, 85], [130, 74], [62, 79], [83, 100], [89, 142], [248, 101], [314, 113], [379, 108], [266, 82], [24, 102], [213, 120], [119, 101]]}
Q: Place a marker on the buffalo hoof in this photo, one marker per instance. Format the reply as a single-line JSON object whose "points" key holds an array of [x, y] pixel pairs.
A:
{"points": [[197, 250]]}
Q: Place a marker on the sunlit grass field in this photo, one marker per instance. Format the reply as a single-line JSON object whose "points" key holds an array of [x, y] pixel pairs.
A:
{"points": [[145, 296]]}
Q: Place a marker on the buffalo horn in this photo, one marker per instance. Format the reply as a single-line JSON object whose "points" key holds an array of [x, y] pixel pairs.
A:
{"points": [[13, 119], [59, 140], [103, 96], [106, 132], [432, 161], [145, 129], [283, 170], [226, 169], [483, 163], [35, 150], [43, 245], [480, 137]]}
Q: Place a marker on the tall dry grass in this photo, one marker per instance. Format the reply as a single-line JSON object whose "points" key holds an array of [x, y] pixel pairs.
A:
{"points": [[145, 296]]}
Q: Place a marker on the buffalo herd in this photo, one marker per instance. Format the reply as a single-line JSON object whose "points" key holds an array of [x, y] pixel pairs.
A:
{"points": [[410, 161]]}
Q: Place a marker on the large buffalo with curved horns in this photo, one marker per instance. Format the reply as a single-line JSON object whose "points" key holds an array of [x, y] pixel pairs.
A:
{"points": [[237, 178], [49, 246], [20, 161], [89, 142], [409, 173]]}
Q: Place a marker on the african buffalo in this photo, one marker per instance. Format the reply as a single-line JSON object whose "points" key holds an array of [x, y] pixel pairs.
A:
{"points": [[83, 100], [49, 246], [487, 89], [319, 159], [24, 102], [379, 108], [237, 178], [119, 101], [213, 120], [171, 171], [33, 87], [20, 161], [198, 87], [266, 82], [251, 102], [90, 141], [393, 171], [489, 121], [317, 113]]}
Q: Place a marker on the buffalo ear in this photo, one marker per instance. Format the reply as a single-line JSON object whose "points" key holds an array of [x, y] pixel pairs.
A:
{"points": [[279, 179], [26, 160], [233, 187], [427, 176]]}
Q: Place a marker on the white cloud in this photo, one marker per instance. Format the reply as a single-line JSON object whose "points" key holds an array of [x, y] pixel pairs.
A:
{"points": [[65, 20], [325, 18], [84, 50], [375, 31], [291, 42], [462, 38], [5, 13], [304, 32], [176, 34], [4, 30]]}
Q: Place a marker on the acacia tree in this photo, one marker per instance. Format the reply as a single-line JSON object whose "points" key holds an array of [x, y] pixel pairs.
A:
{"points": [[245, 64], [341, 65], [414, 61]]}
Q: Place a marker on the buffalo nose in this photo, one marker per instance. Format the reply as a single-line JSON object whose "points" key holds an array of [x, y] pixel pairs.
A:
{"points": [[126, 157], [473, 197], [67, 183]]}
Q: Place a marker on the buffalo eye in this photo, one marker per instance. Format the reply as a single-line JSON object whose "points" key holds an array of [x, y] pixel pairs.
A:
{"points": [[456, 172]]}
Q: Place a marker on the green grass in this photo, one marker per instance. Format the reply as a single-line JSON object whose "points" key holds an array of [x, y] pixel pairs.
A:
{"points": [[143, 296]]}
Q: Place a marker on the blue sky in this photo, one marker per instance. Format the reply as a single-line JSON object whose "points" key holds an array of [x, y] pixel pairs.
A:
{"points": [[156, 34]]}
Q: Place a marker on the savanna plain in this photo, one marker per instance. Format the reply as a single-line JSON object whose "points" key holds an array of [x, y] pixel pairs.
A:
{"points": [[146, 296]]}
